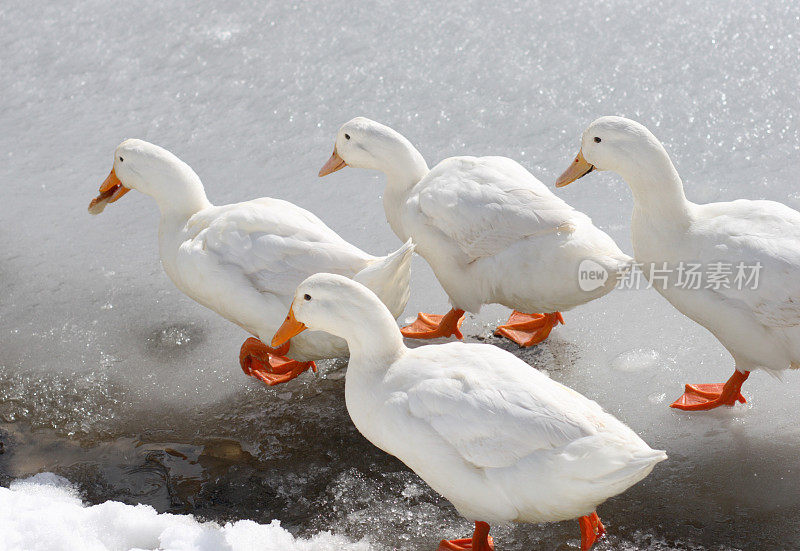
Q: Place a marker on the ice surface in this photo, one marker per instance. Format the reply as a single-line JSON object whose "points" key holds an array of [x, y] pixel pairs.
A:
{"points": [[43, 513], [636, 359], [111, 377]]}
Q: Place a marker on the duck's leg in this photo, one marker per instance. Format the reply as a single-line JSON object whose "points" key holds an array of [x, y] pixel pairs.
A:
{"points": [[432, 326], [591, 530], [529, 329], [710, 396], [269, 365], [480, 541]]}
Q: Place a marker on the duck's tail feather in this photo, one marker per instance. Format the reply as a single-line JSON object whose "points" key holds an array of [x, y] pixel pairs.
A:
{"points": [[389, 276]]}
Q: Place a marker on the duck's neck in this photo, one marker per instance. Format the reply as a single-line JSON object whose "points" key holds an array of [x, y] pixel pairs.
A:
{"points": [[403, 170], [373, 338], [183, 200], [656, 186]]}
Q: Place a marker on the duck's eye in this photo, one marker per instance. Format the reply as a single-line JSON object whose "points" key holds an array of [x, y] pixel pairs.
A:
{"points": [[347, 136], [307, 296], [597, 140], [121, 159]]}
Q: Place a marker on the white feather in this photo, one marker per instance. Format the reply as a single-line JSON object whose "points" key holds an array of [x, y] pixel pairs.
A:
{"points": [[491, 232], [496, 437], [757, 321], [245, 260]]}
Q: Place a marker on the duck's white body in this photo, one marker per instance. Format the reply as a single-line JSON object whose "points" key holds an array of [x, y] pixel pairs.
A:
{"points": [[244, 260], [759, 326], [497, 438], [491, 232]]}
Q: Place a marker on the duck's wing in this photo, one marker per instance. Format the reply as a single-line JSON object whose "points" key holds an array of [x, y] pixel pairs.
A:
{"points": [[496, 410], [486, 204], [274, 244], [755, 245]]}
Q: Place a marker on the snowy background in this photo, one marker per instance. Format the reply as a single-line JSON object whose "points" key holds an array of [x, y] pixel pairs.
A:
{"points": [[113, 379]]}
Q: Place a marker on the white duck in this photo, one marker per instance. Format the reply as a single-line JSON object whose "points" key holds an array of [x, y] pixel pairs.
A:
{"points": [[755, 314], [244, 260], [490, 230], [497, 438]]}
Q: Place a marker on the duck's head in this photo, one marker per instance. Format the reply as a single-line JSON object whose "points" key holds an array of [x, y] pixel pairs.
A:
{"points": [[364, 143], [331, 303], [147, 168], [613, 143]]}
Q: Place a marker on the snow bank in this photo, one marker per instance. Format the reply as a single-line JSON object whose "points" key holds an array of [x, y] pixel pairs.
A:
{"points": [[45, 513]]}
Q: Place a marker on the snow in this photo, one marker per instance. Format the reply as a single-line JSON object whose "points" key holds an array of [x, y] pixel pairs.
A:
{"points": [[106, 369], [44, 513]]}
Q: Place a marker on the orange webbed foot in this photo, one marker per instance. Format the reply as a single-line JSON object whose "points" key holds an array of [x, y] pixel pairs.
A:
{"points": [[269, 365], [529, 329], [480, 541], [591, 530], [432, 326], [709, 396]]}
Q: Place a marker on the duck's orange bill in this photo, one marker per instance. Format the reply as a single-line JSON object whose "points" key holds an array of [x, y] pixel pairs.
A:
{"points": [[289, 329], [111, 190], [334, 163], [579, 168]]}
